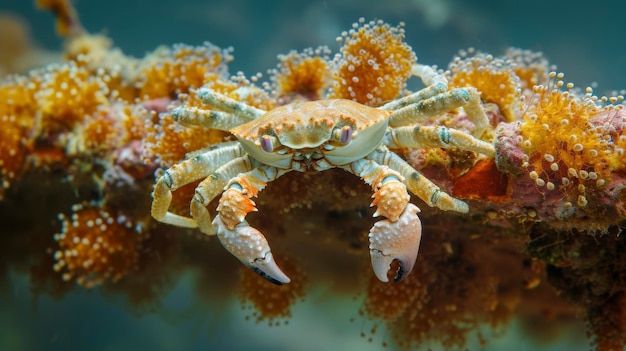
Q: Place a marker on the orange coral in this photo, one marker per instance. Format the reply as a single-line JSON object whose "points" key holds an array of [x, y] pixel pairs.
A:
{"points": [[374, 64], [16, 116], [168, 72], [67, 94], [97, 246], [304, 75], [108, 128], [99, 132], [531, 67], [493, 77], [569, 140]]}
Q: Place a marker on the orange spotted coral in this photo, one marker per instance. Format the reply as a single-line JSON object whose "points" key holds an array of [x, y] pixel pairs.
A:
{"points": [[170, 71], [571, 141], [96, 246], [302, 75], [67, 94], [531, 67], [374, 64], [493, 77], [16, 116], [108, 129]]}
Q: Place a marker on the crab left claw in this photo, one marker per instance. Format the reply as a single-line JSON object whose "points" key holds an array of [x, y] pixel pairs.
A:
{"points": [[399, 240], [251, 248]]}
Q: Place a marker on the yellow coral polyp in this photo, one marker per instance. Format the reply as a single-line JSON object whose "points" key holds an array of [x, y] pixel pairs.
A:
{"points": [[302, 75], [493, 77], [109, 128], [16, 118], [99, 132], [531, 67], [95, 247], [67, 95], [374, 64], [170, 71], [570, 140]]}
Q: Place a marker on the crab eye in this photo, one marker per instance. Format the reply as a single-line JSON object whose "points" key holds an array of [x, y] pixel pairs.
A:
{"points": [[342, 135], [267, 144], [346, 135]]}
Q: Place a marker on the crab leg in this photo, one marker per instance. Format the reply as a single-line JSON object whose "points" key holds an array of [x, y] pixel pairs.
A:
{"points": [[474, 111], [431, 107], [434, 100], [435, 136], [397, 237], [194, 116], [418, 96], [245, 242], [211, 187], [184, 173], [224, 103], [417, 183]]}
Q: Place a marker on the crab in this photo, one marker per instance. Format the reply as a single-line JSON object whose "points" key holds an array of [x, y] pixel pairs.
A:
{"points": [[316, 136]]}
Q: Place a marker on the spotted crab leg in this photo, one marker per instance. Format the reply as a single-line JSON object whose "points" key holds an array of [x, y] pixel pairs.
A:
{"points": [[224, 103], [211, 187], [184, 173], [234, 113], [397, 237], [243, 241], [435, 136], [436, 100], [210, 119]]}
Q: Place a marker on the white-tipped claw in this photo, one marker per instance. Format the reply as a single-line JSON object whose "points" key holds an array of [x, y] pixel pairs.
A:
{"points": [[251, 248], [399, 240]]}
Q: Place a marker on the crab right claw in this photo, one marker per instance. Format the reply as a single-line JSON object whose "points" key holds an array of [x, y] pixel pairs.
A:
{"points": [[399, 240], [251, 248]]}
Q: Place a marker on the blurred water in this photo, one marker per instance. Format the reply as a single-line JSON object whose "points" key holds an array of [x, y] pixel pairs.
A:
{"points": [[85, 320]]}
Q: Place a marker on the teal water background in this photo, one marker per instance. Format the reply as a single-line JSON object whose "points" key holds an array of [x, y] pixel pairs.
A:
{"points": [[583, 38]]}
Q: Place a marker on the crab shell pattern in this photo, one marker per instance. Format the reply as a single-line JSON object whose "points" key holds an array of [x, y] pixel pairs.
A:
{"points": [[316, 136]]}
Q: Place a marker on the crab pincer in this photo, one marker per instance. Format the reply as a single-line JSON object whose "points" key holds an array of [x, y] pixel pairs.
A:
{"points": [[396, 240], [251, 248]]}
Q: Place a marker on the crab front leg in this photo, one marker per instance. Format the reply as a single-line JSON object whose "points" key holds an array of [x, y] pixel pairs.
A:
{"points": [[243, 241], [398, 236], [417, 183], [211, 187]]}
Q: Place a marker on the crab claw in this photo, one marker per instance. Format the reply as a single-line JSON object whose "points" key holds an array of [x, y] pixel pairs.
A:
{"points": [[399, 240], [251, 248]]}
